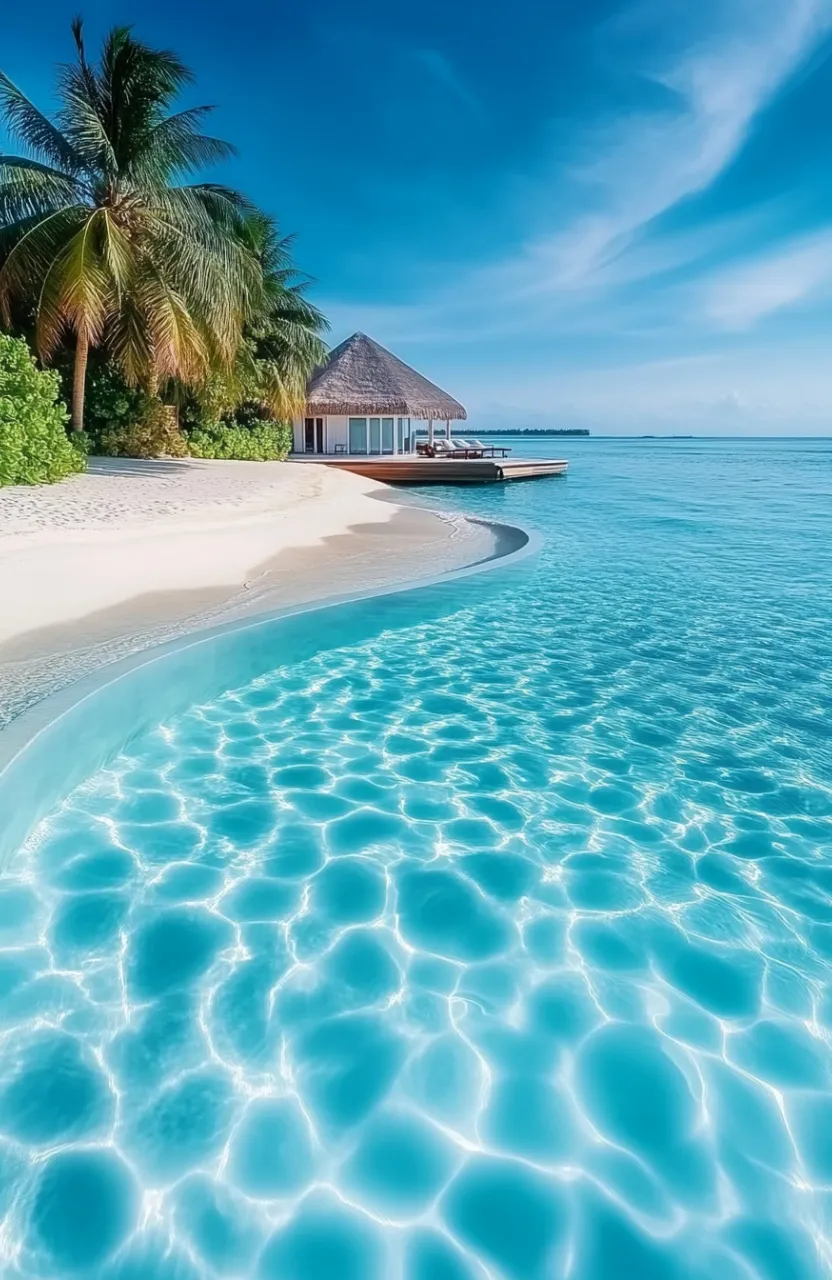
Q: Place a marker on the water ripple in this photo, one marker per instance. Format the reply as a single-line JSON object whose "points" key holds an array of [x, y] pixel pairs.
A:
{"points": [[495, 948]]}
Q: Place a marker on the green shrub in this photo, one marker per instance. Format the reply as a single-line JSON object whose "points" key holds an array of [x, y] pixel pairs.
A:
{"points": [[34, 447], [110, 403], [154, 434], [262, 442]]}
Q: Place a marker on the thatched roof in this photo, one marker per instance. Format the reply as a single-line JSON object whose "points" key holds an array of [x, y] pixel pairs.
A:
{"points": [[360, 377]]}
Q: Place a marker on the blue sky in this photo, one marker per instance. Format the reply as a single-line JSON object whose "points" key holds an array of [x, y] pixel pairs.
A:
{"points": [[607, 214]]}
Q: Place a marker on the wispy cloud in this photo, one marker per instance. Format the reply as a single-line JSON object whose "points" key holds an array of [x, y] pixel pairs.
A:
{"points": [[443, 73], [604, 235], [740, 296], [645, 164], [613, 315]]}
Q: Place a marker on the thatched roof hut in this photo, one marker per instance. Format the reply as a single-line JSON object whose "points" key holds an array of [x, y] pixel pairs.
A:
{"points": [[361, 377]]}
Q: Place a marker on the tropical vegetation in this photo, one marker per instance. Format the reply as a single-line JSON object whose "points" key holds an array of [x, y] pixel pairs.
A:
{"points": [[124, 268], [150, 433], [34, 447], [259, 442], [281, 341]]}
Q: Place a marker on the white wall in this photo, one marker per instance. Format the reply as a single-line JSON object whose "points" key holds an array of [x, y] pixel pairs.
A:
{"points": [[336, 430]]}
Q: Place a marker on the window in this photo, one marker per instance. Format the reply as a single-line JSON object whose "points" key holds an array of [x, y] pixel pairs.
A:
{"points": [[375, 435], [387, 435], [358, 435]]}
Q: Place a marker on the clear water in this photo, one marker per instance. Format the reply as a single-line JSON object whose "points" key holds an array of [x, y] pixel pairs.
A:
{"points": [[496, 947]]}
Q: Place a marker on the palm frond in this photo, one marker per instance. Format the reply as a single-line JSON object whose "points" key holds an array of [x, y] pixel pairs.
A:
{"points": [[280, 390], [34, 131], [212, 205], [81, 121], [136, 87], [179, 348], [28, 188], [176, 147], [77, 292], [211, 265], [33, 248], [90, 82], [129, 340], [118, 253]]}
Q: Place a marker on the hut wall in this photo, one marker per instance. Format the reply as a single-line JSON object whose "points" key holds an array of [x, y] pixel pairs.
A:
{"points": [[335, 433]]}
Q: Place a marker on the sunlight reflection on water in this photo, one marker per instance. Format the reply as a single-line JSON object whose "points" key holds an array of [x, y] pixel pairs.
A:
{"points": [[497, 946]]}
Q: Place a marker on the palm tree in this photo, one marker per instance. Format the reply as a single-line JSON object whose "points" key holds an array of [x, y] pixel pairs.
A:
{"points": [[99, 230], [284, 340]]}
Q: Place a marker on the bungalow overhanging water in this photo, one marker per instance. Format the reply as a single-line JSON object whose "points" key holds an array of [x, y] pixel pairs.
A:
{"points": [[364, 409], [365, 401]]}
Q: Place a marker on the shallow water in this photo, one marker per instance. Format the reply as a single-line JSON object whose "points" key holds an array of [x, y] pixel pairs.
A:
{"points": [[499, 946]]}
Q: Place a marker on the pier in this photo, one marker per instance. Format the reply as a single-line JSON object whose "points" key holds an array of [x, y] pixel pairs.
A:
{"points": [[413, 470]]}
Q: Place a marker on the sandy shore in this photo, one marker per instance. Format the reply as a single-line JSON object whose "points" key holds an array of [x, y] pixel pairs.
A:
{"points": [[132, 553]]}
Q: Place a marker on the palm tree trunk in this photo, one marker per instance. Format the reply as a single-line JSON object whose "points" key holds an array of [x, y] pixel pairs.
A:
{"points": [[79, 382]]}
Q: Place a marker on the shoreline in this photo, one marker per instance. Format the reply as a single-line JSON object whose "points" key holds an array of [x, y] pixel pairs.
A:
{"points": [[133, 554], [60, 739]]}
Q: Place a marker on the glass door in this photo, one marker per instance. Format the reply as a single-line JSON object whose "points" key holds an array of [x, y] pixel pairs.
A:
{"points": [[387, 435], [375, 435], [313, 435], [403, 435], [358, 435]]}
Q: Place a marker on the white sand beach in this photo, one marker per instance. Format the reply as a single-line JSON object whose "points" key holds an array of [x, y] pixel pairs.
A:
{"points": [[132, 552], [125, 529]]}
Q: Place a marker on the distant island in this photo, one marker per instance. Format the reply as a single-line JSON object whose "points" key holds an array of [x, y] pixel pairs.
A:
{"points": [[535, 431], [523, 431]]}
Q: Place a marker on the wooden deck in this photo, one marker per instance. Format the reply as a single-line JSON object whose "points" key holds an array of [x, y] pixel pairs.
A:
{"points": [[410, 469]]}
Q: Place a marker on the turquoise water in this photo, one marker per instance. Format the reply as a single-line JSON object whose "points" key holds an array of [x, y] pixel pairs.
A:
{"points": [[494, 947]]}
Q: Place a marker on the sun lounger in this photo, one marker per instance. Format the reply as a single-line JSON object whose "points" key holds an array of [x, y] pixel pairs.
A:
{"points": [[444, 448], [439, 449], [478, 448], [491, 449], [467, 449]]}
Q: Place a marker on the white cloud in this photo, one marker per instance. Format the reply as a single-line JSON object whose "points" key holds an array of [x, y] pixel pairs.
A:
{"points": [[648, 162], [740, 296], [557, 331], [716, 77]]}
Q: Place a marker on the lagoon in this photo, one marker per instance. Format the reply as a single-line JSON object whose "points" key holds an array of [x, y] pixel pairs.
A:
{"points": [[498, 945]]}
